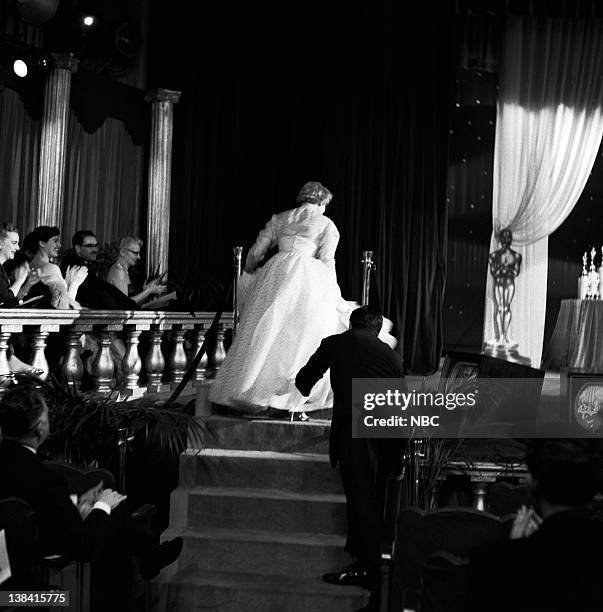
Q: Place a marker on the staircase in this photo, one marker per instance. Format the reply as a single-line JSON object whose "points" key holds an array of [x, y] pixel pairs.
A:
{"points": [[262, 515]]}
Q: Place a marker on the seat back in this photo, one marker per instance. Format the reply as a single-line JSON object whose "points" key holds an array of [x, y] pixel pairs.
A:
{"points": [[78, 480], [18, 521], [447, 533]]}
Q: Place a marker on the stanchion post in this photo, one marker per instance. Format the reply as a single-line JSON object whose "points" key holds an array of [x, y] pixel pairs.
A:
{"points": [[238, 252], [367, 266]]}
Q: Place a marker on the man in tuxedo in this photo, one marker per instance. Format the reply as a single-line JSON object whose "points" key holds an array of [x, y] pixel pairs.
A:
{"points": [[91, 530], [364, 463], [94, 292]]}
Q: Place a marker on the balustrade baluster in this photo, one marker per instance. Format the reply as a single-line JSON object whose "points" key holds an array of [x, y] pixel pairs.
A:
{"points": [[131, 364], [155, 363], [217, 353], [199, 337], [103, 367], [4, 340], [177, 361], [38, 353], [73, 368]]}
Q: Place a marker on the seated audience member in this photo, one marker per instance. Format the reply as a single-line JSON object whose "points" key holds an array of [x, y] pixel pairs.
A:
{"points": [[23, 278], [42, 245], [119, 275], [14, 283], [94, 292], [551, 562], [94, 528]]}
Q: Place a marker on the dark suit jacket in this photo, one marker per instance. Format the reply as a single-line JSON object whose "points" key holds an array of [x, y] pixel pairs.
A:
{"points": [[95, 292], [356, 353], [557, 568], [61, 529]]}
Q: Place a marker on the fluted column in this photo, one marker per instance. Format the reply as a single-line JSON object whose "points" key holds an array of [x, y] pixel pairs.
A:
{"points": [[53, 139], [160, 176]]}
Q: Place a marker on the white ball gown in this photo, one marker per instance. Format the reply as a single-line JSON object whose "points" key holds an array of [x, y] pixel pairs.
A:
{"points": [[287, 307]]}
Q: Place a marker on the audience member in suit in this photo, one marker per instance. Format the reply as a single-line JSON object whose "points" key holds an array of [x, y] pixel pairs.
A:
{"points": [[552, 561], [94, 292], [364, 463], [95, 529]]}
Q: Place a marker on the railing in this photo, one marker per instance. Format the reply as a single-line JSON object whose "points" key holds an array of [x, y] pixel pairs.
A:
{"points": [[168, 333]]}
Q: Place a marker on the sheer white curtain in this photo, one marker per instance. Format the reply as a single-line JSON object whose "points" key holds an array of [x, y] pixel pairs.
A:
{"points": [[548, 131]]}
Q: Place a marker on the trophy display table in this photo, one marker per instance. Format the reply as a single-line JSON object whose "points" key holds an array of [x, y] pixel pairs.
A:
{"points": [[577, 341]]}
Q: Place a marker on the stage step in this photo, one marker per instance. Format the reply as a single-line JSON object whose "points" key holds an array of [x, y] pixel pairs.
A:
{"points": [[306, 555], [248, 509], [267, 435], [308, 473], [262, 514], [191, 590]]}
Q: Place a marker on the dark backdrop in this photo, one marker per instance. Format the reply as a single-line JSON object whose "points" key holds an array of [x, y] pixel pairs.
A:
{"points": [[354, 96]]}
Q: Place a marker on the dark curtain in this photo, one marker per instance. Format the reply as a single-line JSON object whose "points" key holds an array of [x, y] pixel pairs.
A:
{"points": [[357, 98]]}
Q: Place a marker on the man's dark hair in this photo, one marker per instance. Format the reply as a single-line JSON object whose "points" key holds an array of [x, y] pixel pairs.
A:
{"points": [[366, 317], [20, 410], [43, 233], [78, 237], [567, 471]]}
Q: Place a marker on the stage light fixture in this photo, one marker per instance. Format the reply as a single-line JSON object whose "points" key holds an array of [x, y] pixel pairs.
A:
{"points": [[26, 65], [20, 68], [88, 20]]}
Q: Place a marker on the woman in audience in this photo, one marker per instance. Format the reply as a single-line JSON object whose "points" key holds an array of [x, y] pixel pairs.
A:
{"points": [[119, 275], [43, 244]]}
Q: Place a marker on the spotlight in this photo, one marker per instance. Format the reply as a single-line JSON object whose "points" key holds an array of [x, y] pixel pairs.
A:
{"points": [[20, 68], [27, 64], [88, 21]]}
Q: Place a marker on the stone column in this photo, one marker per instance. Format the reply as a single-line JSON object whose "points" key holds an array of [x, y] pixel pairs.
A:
{"points": [[53, 140], [160, 175]]}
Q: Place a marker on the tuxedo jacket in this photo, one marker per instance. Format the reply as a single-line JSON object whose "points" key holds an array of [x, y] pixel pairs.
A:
{"points": [[61, 530], [356, 353]]}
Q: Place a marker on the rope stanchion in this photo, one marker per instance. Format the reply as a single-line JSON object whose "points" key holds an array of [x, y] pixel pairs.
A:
{"points": [[209, 336], [367, 266], [238, 253]]}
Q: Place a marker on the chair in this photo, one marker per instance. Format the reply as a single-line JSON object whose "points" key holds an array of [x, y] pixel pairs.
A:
{"points": [[433, 555], [18, 521]]}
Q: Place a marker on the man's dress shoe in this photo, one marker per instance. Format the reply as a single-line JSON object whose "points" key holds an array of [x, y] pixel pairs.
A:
{"points": [[353, 575], [166, 553]]}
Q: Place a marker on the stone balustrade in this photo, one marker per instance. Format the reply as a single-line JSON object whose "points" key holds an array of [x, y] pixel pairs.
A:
{"points": [[115, 337]]}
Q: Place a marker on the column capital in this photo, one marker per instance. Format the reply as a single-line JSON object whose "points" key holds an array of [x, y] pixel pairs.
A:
{"points": [[66, 61], [163, 95]]}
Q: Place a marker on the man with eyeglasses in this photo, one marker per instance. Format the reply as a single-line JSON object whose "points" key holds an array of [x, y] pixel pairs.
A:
{"points": [[94, 292]]}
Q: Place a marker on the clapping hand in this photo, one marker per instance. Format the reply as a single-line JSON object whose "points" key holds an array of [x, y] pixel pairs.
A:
{"points": [[155, 285], [75, 275], [87, 500], [33, 276], [526, 522], [21, 273]]}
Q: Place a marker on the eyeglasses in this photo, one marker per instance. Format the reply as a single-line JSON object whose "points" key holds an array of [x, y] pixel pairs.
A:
{"points": [[133, 252], [90, 246]]}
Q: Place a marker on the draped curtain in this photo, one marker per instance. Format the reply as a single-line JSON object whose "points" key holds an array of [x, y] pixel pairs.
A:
{"points": [[19, 161], [357, 99], [103, 181], [548, 131]]}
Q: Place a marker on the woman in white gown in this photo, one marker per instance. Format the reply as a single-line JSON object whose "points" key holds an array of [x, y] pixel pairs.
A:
{"points": [[287, 307]]}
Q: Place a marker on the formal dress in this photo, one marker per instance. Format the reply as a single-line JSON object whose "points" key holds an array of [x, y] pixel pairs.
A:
{"points": [[287, 307]]}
